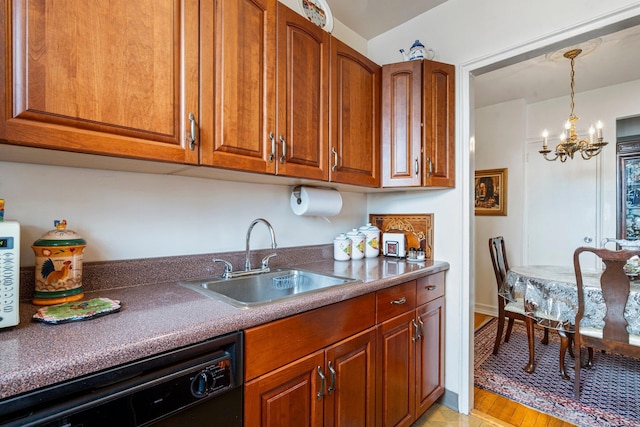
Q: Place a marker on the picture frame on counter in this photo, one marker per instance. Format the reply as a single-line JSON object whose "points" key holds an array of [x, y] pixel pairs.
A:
{"points": [[491, 192]]}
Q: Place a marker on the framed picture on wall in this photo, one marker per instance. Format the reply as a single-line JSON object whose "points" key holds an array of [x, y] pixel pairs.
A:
{"points": [[491, 192]]}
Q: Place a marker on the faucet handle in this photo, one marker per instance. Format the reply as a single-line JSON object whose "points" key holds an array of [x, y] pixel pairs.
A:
{"points": [[228, 268], [265, 260]]}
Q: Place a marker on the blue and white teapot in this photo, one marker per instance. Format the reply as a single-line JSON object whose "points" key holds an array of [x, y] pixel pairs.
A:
{"points": [[417, 51]]}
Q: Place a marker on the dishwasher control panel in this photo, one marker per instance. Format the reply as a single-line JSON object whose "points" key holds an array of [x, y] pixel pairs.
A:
{"points": [[213, 379]]}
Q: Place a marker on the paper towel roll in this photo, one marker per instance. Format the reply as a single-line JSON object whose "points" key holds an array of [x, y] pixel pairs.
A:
{"points": [[314, 201]]}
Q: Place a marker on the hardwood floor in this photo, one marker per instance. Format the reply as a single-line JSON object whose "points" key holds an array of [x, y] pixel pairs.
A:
{"points": [[499, 410]]}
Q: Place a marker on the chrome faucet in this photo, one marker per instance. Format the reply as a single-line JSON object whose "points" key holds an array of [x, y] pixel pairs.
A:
{"points": [[247, 254], [264, 267]]}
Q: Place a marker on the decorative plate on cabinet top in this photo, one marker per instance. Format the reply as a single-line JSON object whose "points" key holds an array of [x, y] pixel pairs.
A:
{"points": [[318, 12]]}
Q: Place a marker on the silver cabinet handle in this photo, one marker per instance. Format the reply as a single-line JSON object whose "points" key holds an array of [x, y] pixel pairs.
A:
{"points": [[421, 324], [284, 149], [333, 379], [273, 147], [322, 378], [192, 137], [416, 334], [417, 166], [399, 301], [335, 159], [430, 166]]}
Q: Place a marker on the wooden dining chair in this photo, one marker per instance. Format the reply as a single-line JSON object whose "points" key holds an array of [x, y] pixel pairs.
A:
{"points": [[512, 310], [615, 286]]}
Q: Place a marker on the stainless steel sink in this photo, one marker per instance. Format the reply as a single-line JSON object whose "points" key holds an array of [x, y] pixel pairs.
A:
{"points": [[249, 291]]}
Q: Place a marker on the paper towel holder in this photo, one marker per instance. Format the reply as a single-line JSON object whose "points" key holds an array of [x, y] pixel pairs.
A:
{"points": [[297, 188]]}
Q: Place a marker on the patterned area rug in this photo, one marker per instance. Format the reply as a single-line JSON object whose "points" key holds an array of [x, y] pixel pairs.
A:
{"points": [[610, 391]]}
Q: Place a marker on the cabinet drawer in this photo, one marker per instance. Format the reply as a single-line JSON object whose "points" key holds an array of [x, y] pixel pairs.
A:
{"points": [[396, 300], [277, 343], [430, 287]]}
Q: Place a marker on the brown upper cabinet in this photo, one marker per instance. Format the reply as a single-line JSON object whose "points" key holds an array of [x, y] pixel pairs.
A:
{"points": [[249, 85], [354, 117], [418, 124], [238, 84], [265, 89], [117, 78]]}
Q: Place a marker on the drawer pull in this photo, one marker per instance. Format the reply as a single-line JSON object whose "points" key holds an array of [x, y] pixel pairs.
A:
{"points": [[273, 147], [333, 379], [322, 379], [431, 288], [335, 159], [192, 137], [284, 149], [399, 301]]}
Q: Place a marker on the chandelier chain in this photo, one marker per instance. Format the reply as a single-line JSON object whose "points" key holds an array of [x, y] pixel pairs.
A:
{"points": [[572, 87]]}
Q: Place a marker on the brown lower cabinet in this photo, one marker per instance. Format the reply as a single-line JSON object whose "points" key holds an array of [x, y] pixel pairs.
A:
{"points": [[372, 360]]}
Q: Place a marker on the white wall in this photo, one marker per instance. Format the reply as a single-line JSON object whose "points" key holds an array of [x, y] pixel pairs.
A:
{"points": [[471, 34], [500, 131], [125, 215]]}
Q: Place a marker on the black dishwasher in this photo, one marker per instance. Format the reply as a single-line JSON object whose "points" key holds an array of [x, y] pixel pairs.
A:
{"points": [[198, 385]]}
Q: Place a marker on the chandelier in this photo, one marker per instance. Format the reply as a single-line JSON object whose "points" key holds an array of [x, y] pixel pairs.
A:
{"points": [[571, 143]]}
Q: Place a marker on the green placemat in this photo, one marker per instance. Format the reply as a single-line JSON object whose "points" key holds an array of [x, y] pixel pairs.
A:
{"points": [[79, 310]]}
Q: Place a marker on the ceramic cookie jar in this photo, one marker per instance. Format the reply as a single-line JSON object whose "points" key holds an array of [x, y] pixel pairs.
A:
{"points": [[58, 275]]}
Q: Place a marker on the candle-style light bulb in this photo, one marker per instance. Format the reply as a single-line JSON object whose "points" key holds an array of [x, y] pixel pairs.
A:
{"points": [[545, 134], [599, 127], [591, 132], [563, 136]]}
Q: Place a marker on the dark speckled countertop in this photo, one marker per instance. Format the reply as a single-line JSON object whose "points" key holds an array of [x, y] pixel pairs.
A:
{"points": [[157, 317]]}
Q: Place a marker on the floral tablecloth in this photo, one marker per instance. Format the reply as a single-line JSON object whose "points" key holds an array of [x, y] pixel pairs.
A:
{"points": [[550, 296]]}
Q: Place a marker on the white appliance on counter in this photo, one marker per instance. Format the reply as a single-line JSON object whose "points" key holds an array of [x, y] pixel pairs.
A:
{"points": [[394, 245], [9, 273]]}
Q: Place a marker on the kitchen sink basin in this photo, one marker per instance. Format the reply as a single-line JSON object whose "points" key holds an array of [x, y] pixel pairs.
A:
{"points": [[249, 291]]}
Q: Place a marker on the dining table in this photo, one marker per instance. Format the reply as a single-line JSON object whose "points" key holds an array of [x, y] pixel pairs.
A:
{"points": [[550, 297]]}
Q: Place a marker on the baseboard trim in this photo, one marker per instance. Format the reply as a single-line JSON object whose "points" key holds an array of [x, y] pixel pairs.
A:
{"points": [[450, 400], [489, 310]]}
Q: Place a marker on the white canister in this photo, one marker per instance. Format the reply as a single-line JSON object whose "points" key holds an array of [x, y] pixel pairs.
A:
{"points": [[342, 248], [357, 243], [372, 240]]}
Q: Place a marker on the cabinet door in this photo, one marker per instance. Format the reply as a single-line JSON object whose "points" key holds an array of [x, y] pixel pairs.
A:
{"points": [[350, 399], [238, 84], [395, 386], [117, 78], [429, 354], [286, 397], [303, 90], [401, 124], [439, 124], [354, 117]]}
